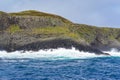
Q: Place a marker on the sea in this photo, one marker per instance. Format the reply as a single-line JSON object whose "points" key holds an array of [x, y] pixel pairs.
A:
{"points": [[59, 64]]}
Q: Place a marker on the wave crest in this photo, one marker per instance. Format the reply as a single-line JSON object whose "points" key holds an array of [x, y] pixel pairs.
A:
{"points": [[60, 53]]}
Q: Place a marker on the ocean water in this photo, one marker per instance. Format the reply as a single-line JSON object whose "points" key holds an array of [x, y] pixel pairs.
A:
{"points": [[60, 64]]}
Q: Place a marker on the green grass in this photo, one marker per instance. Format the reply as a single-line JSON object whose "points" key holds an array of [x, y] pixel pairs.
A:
{"points": [[50, 30], [13, 29], [110, 33], [89, 33], [32, 13], [84, 31], [37, 13], [55, 31], [1, 12], [45, 31]]}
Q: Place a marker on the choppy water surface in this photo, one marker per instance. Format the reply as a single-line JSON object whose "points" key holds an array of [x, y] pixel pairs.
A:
{"points": [[107, 68], [59, 65]]}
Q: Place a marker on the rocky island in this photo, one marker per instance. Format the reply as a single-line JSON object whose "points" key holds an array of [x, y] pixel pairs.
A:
{"points": [[34, 30]]}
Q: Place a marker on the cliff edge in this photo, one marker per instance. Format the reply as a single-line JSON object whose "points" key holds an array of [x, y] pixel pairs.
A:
{"points": [[34, 30]]}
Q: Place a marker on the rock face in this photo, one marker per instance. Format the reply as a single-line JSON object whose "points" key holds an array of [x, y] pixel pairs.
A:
{"points": [[33, 30], [99, 37], [4, 21], [28, 21]]}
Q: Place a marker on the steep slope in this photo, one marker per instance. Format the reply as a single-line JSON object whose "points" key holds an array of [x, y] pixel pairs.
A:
{"points": [[33, 30], [100, 37]]}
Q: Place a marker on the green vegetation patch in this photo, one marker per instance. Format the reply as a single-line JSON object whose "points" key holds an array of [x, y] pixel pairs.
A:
{"points": [[55, 31], [84, 31], [13, 29], [32, 13], [1, 12], [90, 33], [37, 13], [50, 30]]}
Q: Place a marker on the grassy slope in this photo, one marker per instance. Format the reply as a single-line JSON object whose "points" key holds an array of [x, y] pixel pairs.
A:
{"points": [[89, 33], [1, 12], [37, 13]]}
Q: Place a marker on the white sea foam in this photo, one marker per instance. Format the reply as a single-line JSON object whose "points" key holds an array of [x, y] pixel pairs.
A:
{"points": [[59, 53], [113, 52]]}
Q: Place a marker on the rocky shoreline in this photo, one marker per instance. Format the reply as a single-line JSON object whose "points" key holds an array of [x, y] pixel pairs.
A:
{"points": [[34, 30], [53, 44]]}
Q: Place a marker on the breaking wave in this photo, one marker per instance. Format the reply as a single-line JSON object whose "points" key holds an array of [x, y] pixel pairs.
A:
{"points": [[55, 54], [113, 52], [60, 53]]}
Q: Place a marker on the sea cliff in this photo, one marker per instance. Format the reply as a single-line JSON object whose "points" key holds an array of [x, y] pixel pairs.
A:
{"points": [[34, 30]]}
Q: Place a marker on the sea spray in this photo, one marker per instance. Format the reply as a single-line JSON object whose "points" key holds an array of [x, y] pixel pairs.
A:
{"points": [[60, 53], [113, 52]]}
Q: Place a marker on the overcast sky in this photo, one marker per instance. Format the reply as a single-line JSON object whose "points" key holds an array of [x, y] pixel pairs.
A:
{"points": [[105, 13]]}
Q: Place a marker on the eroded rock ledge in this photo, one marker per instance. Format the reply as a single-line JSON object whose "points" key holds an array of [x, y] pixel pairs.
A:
{"points": [[53, 44]]}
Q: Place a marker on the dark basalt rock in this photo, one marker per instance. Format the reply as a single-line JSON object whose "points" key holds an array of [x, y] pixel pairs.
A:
{"points": [[54, 44]]}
